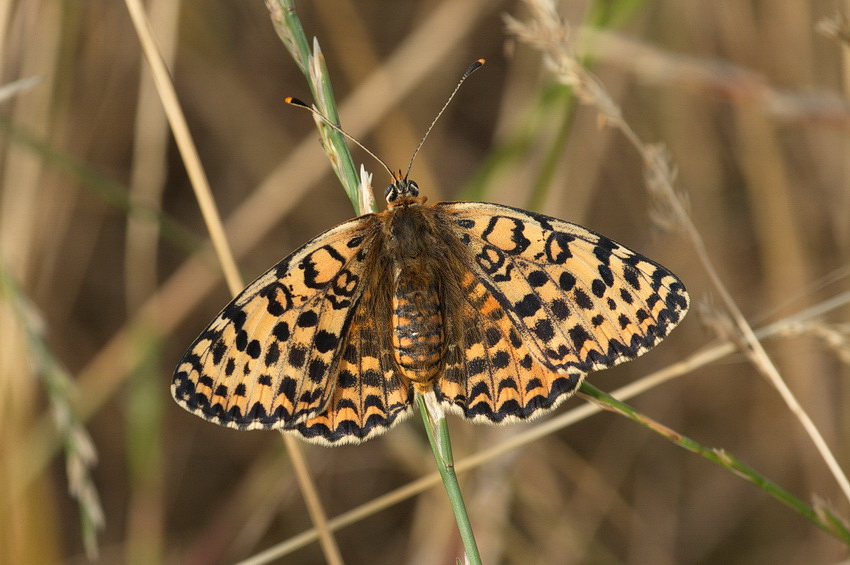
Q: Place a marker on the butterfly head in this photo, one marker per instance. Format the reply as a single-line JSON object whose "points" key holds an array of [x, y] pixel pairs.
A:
{"points": [[400, 190]]}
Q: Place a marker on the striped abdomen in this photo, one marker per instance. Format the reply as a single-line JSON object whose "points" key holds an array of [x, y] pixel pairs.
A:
{"points": [[417, 327]]}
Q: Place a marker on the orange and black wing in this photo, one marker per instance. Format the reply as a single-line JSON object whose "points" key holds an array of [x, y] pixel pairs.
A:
{"points": [[490, 374], [370, 395], [565, 298], [291, 347]]}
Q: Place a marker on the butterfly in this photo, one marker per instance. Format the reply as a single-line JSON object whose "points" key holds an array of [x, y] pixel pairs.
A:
{"points": [[496, 311]]}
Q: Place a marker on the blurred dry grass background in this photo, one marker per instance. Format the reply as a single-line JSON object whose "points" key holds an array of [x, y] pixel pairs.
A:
{"points": [[747, 96]]}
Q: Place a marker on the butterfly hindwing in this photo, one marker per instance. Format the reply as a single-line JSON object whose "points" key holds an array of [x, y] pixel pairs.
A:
{"points": [[580, 301], [267, 360], [490, 374], [369, 396]]}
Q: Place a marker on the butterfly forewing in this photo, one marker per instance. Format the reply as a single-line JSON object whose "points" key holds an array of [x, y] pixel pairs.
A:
{"points": [[270, 358], [580, 301]]}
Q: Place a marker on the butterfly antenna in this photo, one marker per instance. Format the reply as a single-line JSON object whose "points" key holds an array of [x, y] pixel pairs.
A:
{"points": [[299, 104], [469, 70]]}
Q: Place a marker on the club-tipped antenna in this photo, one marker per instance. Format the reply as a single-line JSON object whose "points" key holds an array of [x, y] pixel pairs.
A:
{"points": [[292, 101], [469, 70], [300, 104]]}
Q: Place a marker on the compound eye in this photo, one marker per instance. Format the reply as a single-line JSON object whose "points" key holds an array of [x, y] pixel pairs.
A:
{"points": [[412, 188], [391, 193]]}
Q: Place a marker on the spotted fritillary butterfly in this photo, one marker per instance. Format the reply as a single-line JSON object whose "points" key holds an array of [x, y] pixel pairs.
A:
{"points": [[499, 312]]}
